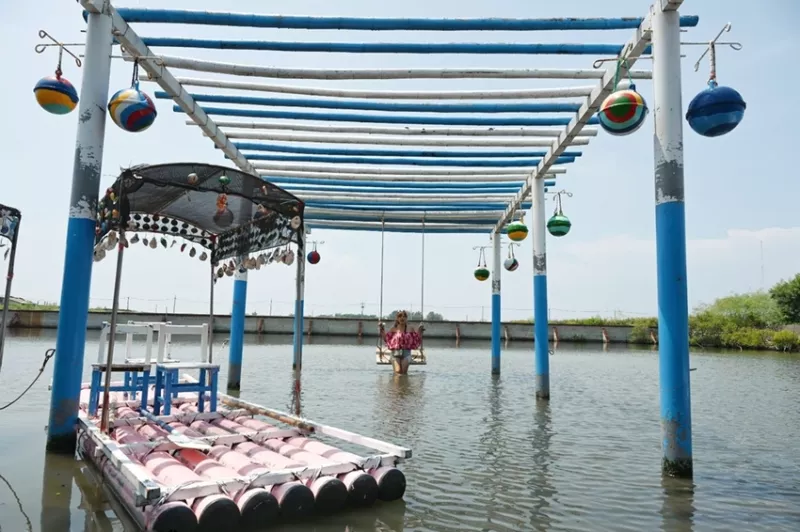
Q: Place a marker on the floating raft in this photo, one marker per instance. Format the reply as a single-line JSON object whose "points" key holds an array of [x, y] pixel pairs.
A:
{"points": [[383, 355], [241, 467]]}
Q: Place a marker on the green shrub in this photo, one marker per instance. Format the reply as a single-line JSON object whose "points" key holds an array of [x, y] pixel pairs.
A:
{"points": [[640, 334], [748, 338], [786, 341]]}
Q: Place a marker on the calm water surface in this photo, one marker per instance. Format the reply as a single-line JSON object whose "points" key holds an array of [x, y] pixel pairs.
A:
{"points": [[487, 457]]}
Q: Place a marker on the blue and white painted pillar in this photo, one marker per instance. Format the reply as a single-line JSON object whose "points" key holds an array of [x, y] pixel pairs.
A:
{"points": [[300, 286], [673, 306], [496, 314], [540, 325], [77, 276], [236, 344]]}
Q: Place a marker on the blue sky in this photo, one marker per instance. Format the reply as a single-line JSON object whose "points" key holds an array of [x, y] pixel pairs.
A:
{"points": [[741, 192]]}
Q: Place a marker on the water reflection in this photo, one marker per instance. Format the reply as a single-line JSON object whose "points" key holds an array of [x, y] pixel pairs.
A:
{"points": [[677, 505], [59, 472], [24, 515], [540, 482], [493, 448], [383, 517], [399, 403]]}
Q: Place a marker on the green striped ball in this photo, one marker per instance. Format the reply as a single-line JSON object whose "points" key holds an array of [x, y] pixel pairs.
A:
{"points": [[559, 225], [481, 274]]}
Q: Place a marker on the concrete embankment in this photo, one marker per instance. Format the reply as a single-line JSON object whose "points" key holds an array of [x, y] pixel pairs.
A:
{"points": [[344, 327]]}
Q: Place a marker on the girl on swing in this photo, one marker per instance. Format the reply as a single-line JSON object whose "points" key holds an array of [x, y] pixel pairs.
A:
{"points": [[401, 340]]}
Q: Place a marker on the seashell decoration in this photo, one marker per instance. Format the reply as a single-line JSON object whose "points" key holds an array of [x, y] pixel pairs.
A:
{"points": [[153, 243], [203, 256]]}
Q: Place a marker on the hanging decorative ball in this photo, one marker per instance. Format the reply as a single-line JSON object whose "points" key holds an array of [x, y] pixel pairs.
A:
{"points": [[517, 231], [559, 225], [511, 264], [192, 178], [132, 110], [623, 112], [223, 218], [313, 257], [56, 95], [715, 111], [295, 223], [481, 273], [224, 180]]}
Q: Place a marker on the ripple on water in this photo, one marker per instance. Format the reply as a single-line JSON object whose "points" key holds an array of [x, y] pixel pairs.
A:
{"points": [[487, 456]]}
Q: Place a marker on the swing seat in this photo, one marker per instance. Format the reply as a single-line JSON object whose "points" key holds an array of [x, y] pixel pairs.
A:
{"points": [[383, 356]]}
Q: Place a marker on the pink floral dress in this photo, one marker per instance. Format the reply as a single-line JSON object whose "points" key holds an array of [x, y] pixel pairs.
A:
{"points": [[401, 343]]}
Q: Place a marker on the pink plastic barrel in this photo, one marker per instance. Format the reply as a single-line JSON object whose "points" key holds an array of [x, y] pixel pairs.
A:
{"points": [[362, 488], [330, 493], [173, 516], [294, 498], [214, 512]]}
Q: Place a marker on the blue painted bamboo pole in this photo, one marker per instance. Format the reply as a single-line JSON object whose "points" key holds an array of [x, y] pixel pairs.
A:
{"points": [[392, 119], [289, 148], [673, 306], [369, 105], [540, 317], [496, 323], [77, 276], [406, 185], [177, 16], [238, 316], [424, 192], [313, 217], [405, 161], [392, 47], [299, 306]]}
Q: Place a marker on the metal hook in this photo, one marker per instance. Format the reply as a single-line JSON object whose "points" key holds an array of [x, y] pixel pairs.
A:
{"points": [[40, 48], [711, 49]]}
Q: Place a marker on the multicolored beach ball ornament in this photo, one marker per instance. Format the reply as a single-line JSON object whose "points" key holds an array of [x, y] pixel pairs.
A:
{"points": [[517, 231], [558, 225], [313, 257], [623, 112], [715, 111], [56, 95], [511, 264], [481, 273], [132, 110]]}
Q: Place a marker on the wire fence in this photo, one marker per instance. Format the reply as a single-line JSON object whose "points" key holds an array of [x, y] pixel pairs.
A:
{"points": [[363, 309]]}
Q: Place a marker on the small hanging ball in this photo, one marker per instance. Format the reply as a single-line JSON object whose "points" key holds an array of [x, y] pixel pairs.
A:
{"points": [[511, 264], [559, 225], [623, 112], [132, 110], [517, 231], [56, 95], [481, 274], [223, 218], [313, 257], [224, 180], [715, 111]]}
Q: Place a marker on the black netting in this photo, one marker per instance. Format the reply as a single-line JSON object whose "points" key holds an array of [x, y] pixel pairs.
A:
{"points": [[222, 209], [9, 221]]}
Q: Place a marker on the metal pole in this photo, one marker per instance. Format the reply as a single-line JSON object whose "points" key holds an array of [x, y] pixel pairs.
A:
{"points": [[383, 236], [211, 317], [300, 285], [237, 328], [76, 280], [540, 322], [673, 307], [496, 272], [422, 274], [112, 334], [9, 277]]}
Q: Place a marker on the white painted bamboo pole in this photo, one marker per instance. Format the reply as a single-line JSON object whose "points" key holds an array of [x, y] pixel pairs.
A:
{"points": [[487, 216], [400, 141], [419, 173], [234, 69], [507, 94], [407, 197], [553, 132]]}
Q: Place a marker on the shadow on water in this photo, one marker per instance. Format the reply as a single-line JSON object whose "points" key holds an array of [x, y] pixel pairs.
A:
{"points": [[677, 506]]}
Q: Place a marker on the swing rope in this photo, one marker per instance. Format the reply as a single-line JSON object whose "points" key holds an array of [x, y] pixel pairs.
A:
{"points": [[380, 311], [422, 282]]}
